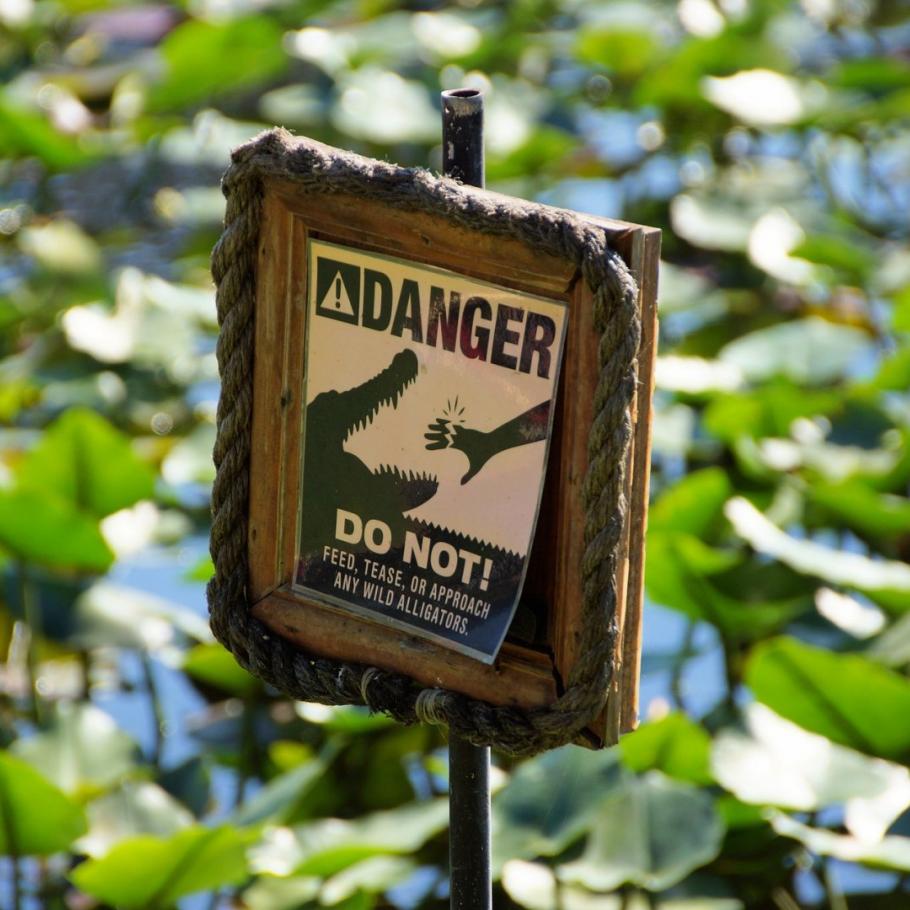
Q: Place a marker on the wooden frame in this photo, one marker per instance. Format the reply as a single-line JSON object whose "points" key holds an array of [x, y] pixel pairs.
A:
{"points": [[524, 676]]}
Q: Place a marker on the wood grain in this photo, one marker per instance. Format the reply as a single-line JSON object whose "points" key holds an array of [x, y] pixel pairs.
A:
{"points": [[521, 677], [431, 239], [646, 254], [267, 455]]}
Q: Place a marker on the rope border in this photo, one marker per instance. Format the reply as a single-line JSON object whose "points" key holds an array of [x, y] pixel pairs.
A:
{"points": [[318, 169]]}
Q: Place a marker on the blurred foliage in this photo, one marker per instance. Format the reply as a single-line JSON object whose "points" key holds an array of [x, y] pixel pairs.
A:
{"points": [[769, 139]]}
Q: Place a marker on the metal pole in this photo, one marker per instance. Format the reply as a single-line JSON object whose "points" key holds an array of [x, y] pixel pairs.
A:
{"points": [[462, 135], [469, 766]]}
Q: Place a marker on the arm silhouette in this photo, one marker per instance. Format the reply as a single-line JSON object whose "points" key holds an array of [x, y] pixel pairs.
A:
{"points": [[480, 446]]}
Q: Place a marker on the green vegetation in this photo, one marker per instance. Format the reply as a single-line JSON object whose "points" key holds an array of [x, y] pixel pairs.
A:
{"points": [[140, 767]]}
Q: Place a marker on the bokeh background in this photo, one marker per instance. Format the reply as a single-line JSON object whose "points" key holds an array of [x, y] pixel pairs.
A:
{"points": [[141, 768]]}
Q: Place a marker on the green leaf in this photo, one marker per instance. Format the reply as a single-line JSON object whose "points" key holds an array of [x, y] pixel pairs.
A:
{"points": [[712, 222], [61, 246], [152, 873], [766, 411], [342, 718], [894, 370], [777, 763], [385, 108], [892, 647], [207, 59], [137, 807], [624, 51], [543, 152], [841, 255], [113, 615], [647, 848], [190, 460], [269, 892], [674, 744], [36, 819], [677, 81], [810, 350], [372, 876], [694, 504], [763, 97], [83, 751], [327, 846], [26, 133], [838, 567], [900, 320], [856, 505], [872, 74], [845, 697], [277, 800], [37, 526], [684, 574], [86, 461], [535, 886], [888, 853], [550, 801], [214, 665], [202, 570]]}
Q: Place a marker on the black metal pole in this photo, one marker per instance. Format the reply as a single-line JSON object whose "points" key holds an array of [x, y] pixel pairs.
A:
{"points": [[462, 135], [469, 766]]}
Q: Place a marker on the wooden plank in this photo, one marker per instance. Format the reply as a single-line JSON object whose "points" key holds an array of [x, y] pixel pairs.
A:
{"points": [[520, 677], [648, 254], [293, 399], [267, 451], [568, 473], [430, 239]]}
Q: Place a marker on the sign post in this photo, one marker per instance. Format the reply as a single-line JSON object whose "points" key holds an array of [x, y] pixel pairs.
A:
{"points": [[415, 373], [469, 765]]}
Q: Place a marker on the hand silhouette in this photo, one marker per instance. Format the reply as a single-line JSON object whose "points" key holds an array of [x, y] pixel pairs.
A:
{"points": [[477, 445]]}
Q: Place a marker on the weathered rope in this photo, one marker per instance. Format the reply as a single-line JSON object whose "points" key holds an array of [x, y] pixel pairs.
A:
{"points": [[316, 169]]}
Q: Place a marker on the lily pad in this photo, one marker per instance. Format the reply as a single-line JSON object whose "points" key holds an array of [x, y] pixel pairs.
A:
{"points": [[846, 697], [36, 818], [152, 873], [82, 752], [668, 829], [777, 763], [86, 461]]}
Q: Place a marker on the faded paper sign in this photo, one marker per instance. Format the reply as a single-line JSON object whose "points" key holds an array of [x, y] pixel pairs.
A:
{"points": [[429, 405]]}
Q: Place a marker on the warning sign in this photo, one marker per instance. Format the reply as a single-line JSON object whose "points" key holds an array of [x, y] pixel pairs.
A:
{"points": [[429, 405], [338, 290]]}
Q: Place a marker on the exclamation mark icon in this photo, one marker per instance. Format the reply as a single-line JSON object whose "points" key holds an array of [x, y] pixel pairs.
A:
{"points": [[487, 568], [338, 292]]}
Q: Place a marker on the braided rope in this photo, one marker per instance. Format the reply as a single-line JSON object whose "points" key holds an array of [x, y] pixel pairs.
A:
{"points": [[317, 169]]}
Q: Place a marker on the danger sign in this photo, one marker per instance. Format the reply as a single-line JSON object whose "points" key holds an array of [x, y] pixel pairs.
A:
{"points": [[425, 435]]}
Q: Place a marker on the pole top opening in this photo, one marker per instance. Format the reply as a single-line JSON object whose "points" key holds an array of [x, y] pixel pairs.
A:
{"points": [[462, 101], [461, 93]]}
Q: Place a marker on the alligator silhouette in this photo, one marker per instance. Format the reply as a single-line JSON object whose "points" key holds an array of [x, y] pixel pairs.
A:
{"points": [[334, 478]]}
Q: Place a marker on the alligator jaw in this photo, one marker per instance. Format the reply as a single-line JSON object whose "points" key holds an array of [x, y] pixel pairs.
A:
{"points": [[360, 405], [413, 488]]}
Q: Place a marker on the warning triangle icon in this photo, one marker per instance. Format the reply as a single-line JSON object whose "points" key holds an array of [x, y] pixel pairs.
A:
{"points": [[336, 298]]}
